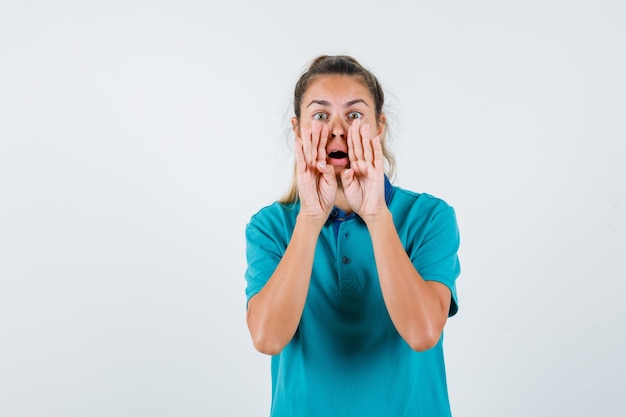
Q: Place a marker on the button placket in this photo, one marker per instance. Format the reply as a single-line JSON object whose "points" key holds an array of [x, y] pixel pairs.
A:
{"points": [[347, 277]]}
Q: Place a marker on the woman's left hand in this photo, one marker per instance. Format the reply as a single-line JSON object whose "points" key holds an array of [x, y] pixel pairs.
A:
{"points": [[364, 182]]}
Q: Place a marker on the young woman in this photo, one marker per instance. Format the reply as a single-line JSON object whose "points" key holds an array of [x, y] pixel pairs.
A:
{"points": [[350, 280]]}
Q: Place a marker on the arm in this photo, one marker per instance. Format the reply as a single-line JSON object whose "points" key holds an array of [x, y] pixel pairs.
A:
{"points": [[274, 313], [418, 308]]}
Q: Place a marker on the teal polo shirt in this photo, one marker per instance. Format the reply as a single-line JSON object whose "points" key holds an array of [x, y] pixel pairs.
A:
{"points": [[346, 357]]}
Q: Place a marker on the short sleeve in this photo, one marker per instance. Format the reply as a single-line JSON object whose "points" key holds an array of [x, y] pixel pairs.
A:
{"points": [[265, 247], [436, 257]]}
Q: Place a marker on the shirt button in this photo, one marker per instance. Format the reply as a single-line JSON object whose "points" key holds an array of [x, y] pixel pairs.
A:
{"points": [[347, 235], [345, 260]]}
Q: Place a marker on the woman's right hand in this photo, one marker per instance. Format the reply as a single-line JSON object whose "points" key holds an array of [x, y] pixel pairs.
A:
{"points": [[274, 313], [317, 183]]}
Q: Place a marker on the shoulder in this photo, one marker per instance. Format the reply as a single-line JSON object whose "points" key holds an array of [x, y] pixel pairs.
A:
{"points": [[407, 201], [418, 215], [274, 217], [276, 210]]}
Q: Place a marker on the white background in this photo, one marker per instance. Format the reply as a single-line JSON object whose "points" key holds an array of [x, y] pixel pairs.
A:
{"points": [[137, 138]]}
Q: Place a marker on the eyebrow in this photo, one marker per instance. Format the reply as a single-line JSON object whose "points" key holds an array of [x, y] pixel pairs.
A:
{"points": [[348, 104]]}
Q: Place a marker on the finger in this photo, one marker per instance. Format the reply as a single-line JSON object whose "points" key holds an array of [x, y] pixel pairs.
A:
{"points": [[300, 162], [368, 152], [321, 148], [306, 145], [350, 143], [357, 144], [347, 176], [357, 140], [316, 129], [328, 171], [379, 158]]}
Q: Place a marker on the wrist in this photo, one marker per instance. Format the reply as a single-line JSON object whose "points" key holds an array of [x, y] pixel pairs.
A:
{"points": [[311, 223], [382, 219]]}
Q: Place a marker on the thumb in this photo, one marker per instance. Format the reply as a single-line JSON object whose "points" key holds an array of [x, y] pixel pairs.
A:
{"points": [[347, 175], [328, 171]]}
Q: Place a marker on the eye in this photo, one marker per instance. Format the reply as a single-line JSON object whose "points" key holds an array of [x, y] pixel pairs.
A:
{"points": [[320, 116], [353, 115]]}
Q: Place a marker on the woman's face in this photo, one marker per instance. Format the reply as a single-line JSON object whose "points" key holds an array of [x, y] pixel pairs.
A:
{"points": [[336, 101]]}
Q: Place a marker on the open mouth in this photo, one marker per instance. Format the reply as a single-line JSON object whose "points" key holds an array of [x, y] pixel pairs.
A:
{"points": [[337, 155]]}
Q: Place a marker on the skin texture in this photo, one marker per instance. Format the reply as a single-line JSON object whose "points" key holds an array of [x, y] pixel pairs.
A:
{"points": [[338, 114]]}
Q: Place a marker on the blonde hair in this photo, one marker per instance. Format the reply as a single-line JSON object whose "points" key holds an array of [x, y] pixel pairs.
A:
{"points": [[339, 65]]}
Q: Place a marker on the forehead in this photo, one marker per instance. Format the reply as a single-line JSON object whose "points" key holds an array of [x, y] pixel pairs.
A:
{"points": [[337, 89]]}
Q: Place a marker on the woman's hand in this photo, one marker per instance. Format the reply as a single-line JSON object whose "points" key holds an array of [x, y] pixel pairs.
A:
{"points": [[364, 182], [317, 184]]}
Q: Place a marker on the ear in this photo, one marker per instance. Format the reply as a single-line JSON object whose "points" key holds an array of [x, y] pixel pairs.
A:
{"points": [[296, 127], [382, 124]]}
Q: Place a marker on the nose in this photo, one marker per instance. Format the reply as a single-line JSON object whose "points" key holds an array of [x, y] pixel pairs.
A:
{"points": [[337, 129]]}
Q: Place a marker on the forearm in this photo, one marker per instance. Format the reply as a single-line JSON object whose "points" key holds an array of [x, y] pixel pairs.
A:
{"points": [[418, 308], [274, 313]]}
